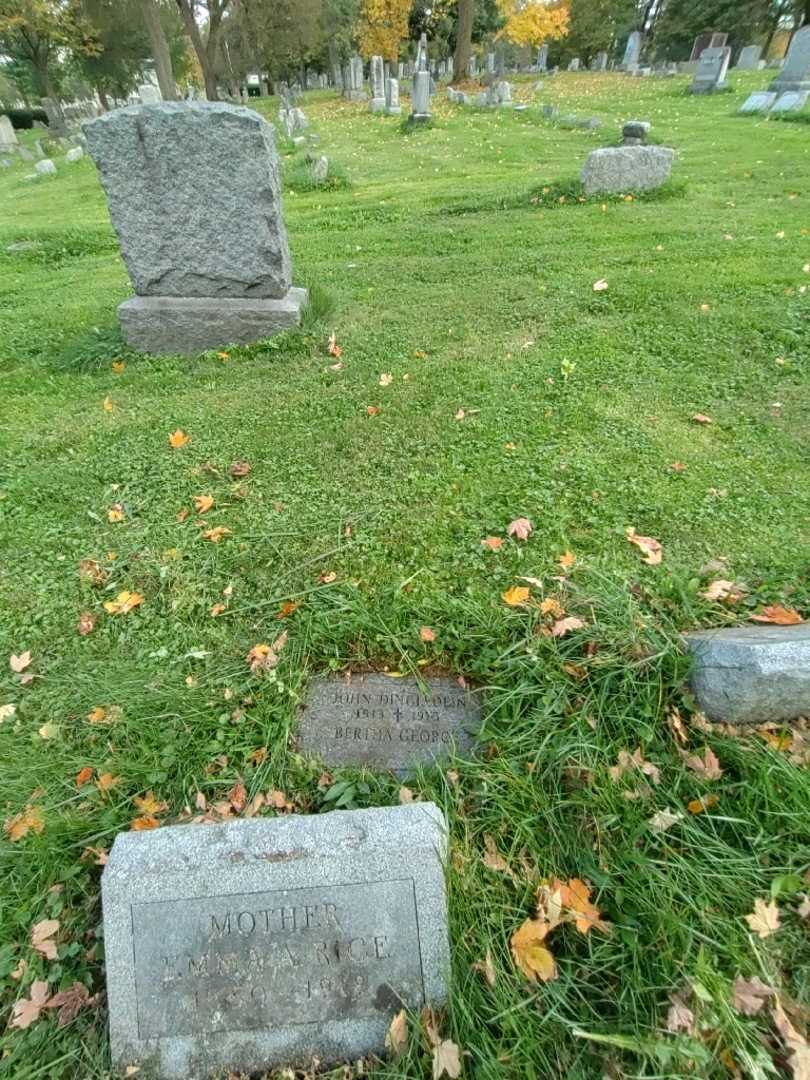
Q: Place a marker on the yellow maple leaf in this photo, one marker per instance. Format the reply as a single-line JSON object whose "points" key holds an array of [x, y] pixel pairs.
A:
{"points": [[97, 715], [107, 404], [567, 560], [515, 596], [148, 804], [203, 503], [115, 513], [764, 919], [141, 824], [179, 438], [123, 603], [118, 366], [18, 826], [530, 956]]}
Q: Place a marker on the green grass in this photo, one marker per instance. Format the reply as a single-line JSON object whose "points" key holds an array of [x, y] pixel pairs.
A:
{"points": [[431, 262]]}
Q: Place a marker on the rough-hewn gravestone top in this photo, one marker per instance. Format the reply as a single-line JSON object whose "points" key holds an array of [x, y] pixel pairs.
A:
{"points": [[387, 723], [194, 195], [261, 942], [752, 674], [627, 168]]}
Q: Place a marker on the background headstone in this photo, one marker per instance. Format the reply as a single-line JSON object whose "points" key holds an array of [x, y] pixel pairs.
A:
{"points": [[711, 72], [254, 943], [420, 97], [392, 106], [632, 51], [8, 136], [542, 58], [379, 722], [749, 57], [221, 261], [795, 75], [751, 674], [377, 81], [574, 64], [707, 41]]}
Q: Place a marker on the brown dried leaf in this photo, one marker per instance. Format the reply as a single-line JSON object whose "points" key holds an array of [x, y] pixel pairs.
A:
{"points": [[764, 919], [520, 528], [397, 1035], [531, 957], [86, 624], [680, 1017], [493, 859], [799, 1056], [708, 766], [265, 657], [446, 1060], [70, 1002], [777, 615], [240, 468], [237, 797], [750, 995], [565, 626], [486, 967], [426, 634], [653, 551], [41, 938], [29, 819], [27, 1010]]}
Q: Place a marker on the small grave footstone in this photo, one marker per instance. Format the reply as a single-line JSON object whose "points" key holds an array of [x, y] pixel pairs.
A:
{"points": [[617, 169], [760, 101], [751, 674], [204, 277], [790, 101], [253, 943], [45, 167], [380, 722], [76, 154]]}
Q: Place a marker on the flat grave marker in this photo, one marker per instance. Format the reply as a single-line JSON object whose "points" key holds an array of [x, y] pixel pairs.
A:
{"points": [[387, 723], [270, 941]]}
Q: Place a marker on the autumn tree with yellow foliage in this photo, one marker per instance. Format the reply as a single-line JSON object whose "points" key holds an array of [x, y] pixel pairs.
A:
{"points": [[381, 27], [531, 22]]}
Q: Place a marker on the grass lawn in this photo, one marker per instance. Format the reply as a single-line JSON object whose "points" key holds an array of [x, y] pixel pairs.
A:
{"points": [[516, 390]]}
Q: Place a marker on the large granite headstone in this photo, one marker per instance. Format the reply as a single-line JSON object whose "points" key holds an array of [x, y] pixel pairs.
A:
{"points": [[380, 722], [751, 674], [420, 98], [632, 51], [711, 73], [261, 942], [195, 197], [795, 75]]}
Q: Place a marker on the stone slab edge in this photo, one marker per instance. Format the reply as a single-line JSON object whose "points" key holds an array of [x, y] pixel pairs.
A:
{"points": [[190, 861], [169, 325]]}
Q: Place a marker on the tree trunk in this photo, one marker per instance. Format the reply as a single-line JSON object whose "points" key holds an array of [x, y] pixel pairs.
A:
{"points": [[160, 49], [102, 97], [202, 51], [461, 60]]}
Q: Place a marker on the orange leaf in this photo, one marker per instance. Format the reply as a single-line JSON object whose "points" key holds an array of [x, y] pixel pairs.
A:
{"points": [[705, 802], [84, 776], [148, 804], [701, 418], [426, 634], [778, 616], [123, 603], [179, 438], [567, 560], [203, 503], [18, 826], [106, 781], [287, 608], [217, 609], [494, 543], [141, 824], [215, 535]]}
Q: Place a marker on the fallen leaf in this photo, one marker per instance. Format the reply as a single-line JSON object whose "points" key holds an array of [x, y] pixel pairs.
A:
{"points": [[529, 955], [493, 859], [520, 528], [652, 549], [680, 1017], [708, 766], [27, 1010], [203, 503], [118, 366], [397, 1035], [778, 616], [265, 657], [216, 534], [217, 609], [148, 804], [332, 346], [18, 826], [115, 514], [287, 608], [515, 596], [764, 919], [386, 378], [70, 1002], [426, 634], [701, 418], [97, 715], [182, 515], [141, 824], [600, 285], [21, 662], [704, 803], [123, 603], [494, 543], [722, 590], [750, 995], [107, 404], [460, 414], [799, 1057], [564, 626], [372, 410], [567, 560], [677, 466], [49, 731], [84, 776], [664, 820], [106, 781], [446, 1060], [179, 438], [237, 797], [328, 577], [406, 796], [86, 624], [240, 468], [552, 606], [6, 712], [41, 938]]}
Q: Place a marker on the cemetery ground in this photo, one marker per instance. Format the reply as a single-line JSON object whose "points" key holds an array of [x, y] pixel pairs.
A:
{"points": [[352, 512]]}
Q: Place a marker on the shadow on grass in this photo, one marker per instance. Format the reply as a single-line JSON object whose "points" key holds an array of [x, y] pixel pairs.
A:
{"points": [[567, 193]]}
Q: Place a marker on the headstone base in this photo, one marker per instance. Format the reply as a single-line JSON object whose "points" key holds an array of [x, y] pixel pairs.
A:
{"points": [[419, 118], [355, 95], [393, 110], [170, 325], [708, 88], [376, 105]]}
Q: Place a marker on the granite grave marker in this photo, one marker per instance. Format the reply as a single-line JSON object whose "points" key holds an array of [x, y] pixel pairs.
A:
{"points": [[386, 723], [270, 941]]}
